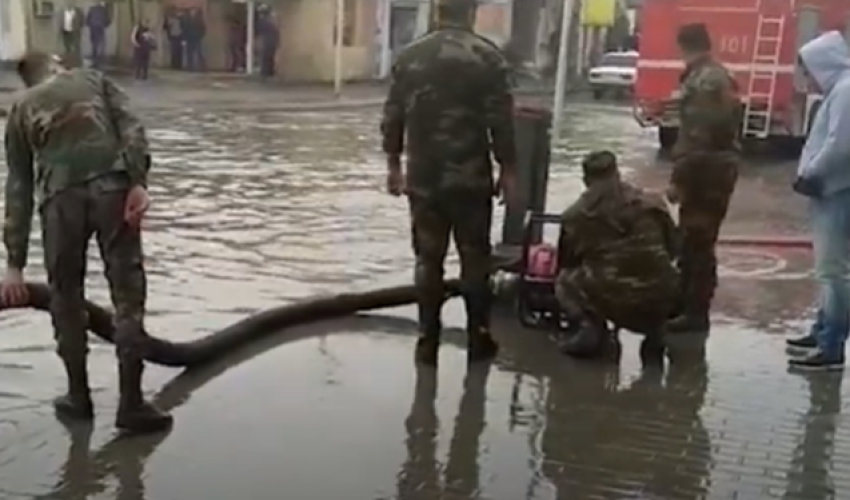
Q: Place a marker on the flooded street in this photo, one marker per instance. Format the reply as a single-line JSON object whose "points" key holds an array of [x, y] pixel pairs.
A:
{"points": [[254, 208]]}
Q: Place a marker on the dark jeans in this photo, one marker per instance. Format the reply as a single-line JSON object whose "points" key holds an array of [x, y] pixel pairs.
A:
{"points": [[267, 61], [141, 62], [175, 50], [237, 57], [98, 47], [195, 55]]}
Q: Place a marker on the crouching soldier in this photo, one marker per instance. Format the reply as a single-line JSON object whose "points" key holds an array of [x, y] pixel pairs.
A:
{"points": [[72, 141], [616, 261]]}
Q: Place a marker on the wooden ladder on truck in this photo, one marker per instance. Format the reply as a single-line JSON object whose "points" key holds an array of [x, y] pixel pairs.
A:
{"points": [[764, 71]]}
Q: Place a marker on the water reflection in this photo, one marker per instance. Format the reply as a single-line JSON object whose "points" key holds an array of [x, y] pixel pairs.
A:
{"points": [[419, 477], [642, 441], [809, 477]]}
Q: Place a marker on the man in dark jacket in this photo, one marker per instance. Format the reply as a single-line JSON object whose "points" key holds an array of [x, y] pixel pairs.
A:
{"points": [[98, 20]]}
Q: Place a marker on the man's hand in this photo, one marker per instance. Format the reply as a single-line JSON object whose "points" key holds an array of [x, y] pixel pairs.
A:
{"points": [[396, 184], [13, 290], [136, 206], [673, 195], [506, 187]]}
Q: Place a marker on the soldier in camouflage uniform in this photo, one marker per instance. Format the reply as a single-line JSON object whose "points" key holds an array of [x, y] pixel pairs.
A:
{"points": [[73, 144], [705, 170], [450, 108], [616, 257]]}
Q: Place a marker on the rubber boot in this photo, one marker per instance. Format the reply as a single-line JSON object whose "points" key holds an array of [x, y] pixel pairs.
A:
{"points": [[689, 322], [76, 404], [482, 346], [135, 415], [652, 351], [588, 342], [428, 345]]}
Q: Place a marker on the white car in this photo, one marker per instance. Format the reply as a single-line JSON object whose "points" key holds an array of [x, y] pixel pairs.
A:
{"points": [[615, 72]]}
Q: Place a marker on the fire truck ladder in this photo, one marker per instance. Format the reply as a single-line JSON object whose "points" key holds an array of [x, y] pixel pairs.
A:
{"points": [[764, 70]]}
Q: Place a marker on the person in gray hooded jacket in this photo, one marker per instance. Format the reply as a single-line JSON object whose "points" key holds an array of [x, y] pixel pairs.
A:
{"points": [[823, 176]]}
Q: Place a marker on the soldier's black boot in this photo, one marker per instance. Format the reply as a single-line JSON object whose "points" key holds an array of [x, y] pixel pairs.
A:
{"points": [[481, 346], [689, 322], [428, 345], [590, 341], [76, 404], [135, 415]]}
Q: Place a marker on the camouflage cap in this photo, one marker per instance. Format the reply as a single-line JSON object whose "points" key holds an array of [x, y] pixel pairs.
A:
{"points": [[599, 163]]}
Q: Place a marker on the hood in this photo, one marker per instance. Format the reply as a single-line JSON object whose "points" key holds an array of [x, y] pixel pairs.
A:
{"points": [[826, 58]]}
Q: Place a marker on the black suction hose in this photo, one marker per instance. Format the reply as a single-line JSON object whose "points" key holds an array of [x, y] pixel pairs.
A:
{"points": [[194, 353]]}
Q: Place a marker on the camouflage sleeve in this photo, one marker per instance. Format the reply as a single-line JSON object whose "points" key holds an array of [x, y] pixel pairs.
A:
{"points": [[499, 111], [708, 110], [568, 241], [20, 185], [131, 132], [393, 120]]}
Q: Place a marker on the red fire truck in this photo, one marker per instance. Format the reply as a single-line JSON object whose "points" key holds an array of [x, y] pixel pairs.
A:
{"points": [[757, 40]]}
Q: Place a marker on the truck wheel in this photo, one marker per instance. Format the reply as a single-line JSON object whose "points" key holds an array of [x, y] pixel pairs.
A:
{"points": [[667, 137]]}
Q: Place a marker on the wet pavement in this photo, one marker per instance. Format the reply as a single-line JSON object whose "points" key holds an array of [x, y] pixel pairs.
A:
{"points": [[255, 207]]}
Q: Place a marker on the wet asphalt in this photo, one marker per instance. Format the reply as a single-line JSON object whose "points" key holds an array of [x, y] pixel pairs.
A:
{"points": [[256, 207]]}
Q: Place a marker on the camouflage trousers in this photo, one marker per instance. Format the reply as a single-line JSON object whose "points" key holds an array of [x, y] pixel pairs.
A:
{"points": [[643, 312], [69, 219], [467, 216], [699, 225]]}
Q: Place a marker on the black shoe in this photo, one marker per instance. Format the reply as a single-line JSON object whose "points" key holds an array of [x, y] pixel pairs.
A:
{"points": [[74, 407], [818, 361], [482, 347], [805, 344], [427, 348], [688, 323]]}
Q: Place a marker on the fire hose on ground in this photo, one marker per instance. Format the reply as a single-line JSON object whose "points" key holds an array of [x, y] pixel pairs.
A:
{"points": [[210, 348]]}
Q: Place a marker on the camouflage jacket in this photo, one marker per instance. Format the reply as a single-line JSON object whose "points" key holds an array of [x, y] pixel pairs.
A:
{"points": [[72, 128], [623, 239], [450, 107], [709, 125]]}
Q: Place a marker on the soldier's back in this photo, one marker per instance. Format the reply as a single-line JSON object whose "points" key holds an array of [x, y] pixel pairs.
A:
{"points": [[70, 129], [446, 78], [627, 252]]}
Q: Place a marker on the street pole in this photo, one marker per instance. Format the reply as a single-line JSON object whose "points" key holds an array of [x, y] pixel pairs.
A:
{"points": [[340, 31], [561, 75], [249, 41]]}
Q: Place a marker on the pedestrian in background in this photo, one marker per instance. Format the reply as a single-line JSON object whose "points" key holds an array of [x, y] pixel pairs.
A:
{"points": [[706, 159], [98, 20], [194, 32], [823, 176], [144, 44], [172, 26], [71, 20], [270, 41], [450, 108]]}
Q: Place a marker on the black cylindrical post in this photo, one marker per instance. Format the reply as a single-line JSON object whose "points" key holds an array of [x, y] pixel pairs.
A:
{"points": [[532, 142]]}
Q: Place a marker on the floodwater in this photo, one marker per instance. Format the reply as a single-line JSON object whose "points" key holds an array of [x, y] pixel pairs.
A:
{"points": [[257, 208]]}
